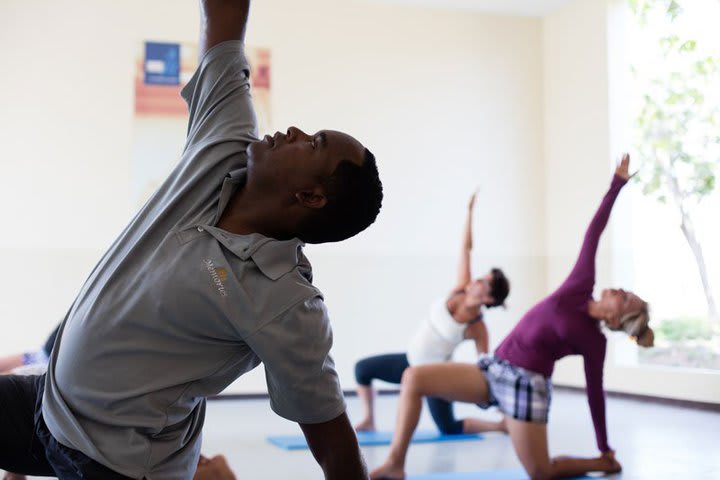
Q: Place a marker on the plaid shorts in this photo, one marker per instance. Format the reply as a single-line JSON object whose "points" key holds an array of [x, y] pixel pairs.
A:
{"points": [[518, 393]]}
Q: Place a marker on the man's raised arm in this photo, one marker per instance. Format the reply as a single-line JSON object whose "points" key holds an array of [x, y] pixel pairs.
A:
{"points": [[222, 20]]}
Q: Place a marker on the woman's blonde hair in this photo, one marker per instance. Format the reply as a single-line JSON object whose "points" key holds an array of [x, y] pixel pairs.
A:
{"points": [[635, 324]]}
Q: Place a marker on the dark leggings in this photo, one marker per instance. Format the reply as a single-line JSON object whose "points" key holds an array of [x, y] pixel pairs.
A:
{"points": [[390, 368], [26, 445]]}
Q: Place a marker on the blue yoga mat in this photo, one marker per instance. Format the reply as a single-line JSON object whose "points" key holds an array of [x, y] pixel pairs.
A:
{"points": [[484, 475], [367, 439]]}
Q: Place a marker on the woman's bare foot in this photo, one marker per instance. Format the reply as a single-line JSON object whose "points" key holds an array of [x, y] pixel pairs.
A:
{"points": [[388, 471], [215, 468], [367, 425], [610, 463], [502, 425]]}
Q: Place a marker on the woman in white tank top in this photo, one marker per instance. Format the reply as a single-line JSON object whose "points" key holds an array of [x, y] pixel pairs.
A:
{"points": [[451, 321]]}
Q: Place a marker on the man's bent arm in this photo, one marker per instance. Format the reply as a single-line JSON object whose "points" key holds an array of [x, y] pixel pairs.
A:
{"points": [[222, 20], [335, 447]]}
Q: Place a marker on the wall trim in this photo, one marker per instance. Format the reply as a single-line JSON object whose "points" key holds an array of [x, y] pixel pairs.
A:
{"points": [[674, 402], [265, 396]]}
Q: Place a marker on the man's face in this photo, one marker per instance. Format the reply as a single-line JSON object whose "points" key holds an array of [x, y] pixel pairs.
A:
{"points": [[290, 162]]}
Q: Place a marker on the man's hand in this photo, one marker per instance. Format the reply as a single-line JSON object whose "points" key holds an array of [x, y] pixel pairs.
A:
{"points": [[335, 447], [222, 20]]}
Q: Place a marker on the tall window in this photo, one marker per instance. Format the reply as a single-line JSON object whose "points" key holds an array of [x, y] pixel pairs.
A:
{"points": [[675, 57]]}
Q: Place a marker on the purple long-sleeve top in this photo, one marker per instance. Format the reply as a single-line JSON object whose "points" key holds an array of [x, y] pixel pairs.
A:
{"points": [[560, 324]]}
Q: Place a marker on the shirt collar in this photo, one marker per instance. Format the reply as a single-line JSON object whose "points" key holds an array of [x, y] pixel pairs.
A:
{"points": [[273, 257]]}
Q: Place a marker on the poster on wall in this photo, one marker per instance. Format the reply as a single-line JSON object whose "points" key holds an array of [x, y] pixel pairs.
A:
{"points": [[160, 114]]}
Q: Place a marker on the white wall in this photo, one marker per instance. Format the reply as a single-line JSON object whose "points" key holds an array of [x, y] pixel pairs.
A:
{"points": [[586, 128], [446, 100]]}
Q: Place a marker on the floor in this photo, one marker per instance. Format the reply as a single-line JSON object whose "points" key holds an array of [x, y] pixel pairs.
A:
{"points": [[652, 441]]}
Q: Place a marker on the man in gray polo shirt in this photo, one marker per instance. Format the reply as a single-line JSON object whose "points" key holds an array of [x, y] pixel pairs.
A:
{"points": [[206, 282]]}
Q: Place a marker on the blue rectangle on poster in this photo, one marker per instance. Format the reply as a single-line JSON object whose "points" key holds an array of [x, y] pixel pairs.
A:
{"points": [[162, 63]]}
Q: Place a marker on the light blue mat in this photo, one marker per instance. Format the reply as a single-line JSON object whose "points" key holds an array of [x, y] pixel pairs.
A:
{"points": [[367, 439], [484, 475]]}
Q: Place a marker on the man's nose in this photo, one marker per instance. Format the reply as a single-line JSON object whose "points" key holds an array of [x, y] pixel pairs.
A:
{"points": [[293, 133]]}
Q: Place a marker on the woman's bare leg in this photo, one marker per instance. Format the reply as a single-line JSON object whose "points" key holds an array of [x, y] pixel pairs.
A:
{"points": [[530, 442], [475, 425], [459, 382], [10, 362], [367, 398]]}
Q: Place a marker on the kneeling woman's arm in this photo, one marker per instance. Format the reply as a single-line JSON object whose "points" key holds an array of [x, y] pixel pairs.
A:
{"points": [[594, 358]]}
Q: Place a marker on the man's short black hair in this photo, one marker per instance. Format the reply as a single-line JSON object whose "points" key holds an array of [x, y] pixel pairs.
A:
{"points": [[499, 287], [354, 196]]}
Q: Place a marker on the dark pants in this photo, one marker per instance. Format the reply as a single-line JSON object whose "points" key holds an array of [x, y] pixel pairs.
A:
{"points": [[390, 368], [26, 445]]}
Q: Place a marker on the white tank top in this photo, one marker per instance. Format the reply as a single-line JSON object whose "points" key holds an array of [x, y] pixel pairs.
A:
{"points": [[436, 339]]}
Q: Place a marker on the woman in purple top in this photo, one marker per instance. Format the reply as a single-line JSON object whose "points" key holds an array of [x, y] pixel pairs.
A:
{"points": [[517, 378]]}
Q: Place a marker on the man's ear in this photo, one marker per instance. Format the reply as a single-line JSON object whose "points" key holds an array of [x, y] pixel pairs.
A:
{"points": [[314, 198]]}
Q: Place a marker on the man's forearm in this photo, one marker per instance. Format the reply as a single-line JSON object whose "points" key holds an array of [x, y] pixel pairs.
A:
{"points": [[345, 465], [335, 447]]}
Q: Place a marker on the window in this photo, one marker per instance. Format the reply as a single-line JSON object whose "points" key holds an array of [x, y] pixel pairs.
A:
{"points": [[674, 50]]}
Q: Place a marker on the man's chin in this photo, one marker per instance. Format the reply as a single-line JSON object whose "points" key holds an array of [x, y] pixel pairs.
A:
{"points": [[253, 147], [255, 151]]}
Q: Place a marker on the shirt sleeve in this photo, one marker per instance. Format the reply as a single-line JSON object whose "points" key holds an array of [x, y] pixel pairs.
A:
{"points": [[301, 377], [218, 97], [594, 358], [582, 276]]}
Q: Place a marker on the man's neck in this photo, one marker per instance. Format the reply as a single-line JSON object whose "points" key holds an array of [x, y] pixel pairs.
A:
{"points": [[245, 214]]}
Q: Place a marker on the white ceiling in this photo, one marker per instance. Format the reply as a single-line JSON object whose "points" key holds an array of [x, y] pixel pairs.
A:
{"points": [[535, 8]]}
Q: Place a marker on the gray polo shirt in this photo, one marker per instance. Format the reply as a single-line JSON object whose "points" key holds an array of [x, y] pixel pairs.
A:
{"points": [[177, 309]]}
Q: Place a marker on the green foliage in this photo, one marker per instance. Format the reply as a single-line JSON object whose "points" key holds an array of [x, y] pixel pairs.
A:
{"points": [[682, 355], [684, 328], [677, 127], [641, 8]]}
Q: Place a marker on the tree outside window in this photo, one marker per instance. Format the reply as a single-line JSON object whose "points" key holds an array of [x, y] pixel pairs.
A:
{"points": [[676, 69]]}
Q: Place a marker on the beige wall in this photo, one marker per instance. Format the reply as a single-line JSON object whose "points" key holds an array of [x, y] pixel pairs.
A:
{"points": [[446, 100]]}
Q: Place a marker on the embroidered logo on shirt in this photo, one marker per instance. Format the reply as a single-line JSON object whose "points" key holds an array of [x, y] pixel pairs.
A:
{"points": [[218, 276]]}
